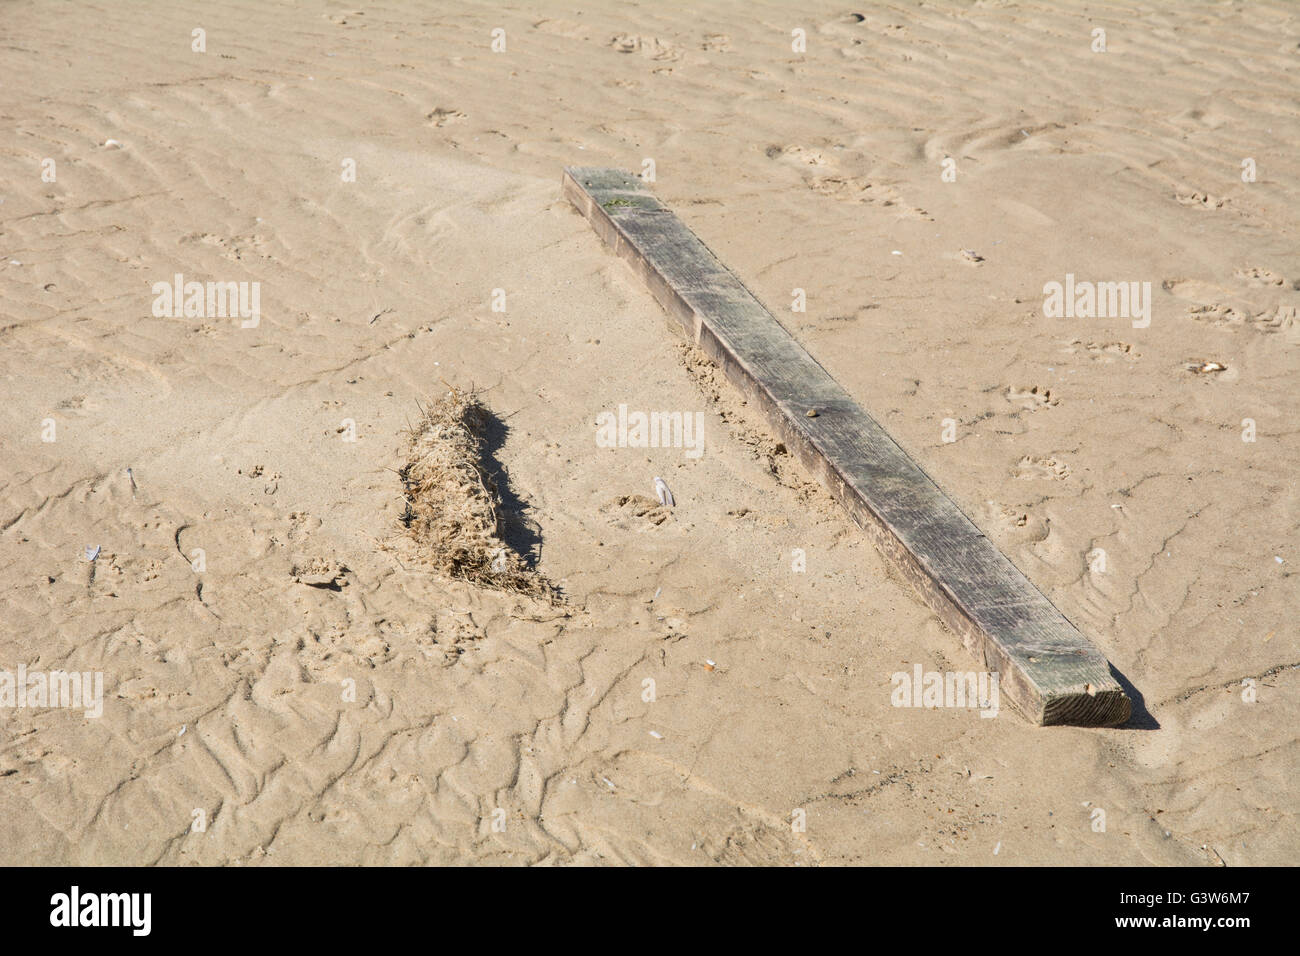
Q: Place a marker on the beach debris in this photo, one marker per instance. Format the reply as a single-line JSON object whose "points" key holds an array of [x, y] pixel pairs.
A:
{"points": [[709, 665], [132, 477], [453, 505], [1206, 367], [665, 496], [112, 144], [182, 733], [859, 463], [971, 256], [656, 735], [895, 252], [812, 413], [92, 552]]}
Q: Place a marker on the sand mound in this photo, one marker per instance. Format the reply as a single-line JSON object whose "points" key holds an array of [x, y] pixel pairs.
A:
{"points": [[453, 506]]}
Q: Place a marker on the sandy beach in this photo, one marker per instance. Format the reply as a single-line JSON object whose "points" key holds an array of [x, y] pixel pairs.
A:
{"points": [[285, 677]]}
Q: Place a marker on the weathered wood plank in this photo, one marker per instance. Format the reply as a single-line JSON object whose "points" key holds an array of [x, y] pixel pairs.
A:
{"points": [[1049, 671]]}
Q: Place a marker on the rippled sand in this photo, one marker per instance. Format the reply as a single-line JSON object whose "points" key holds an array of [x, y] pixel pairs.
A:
{"points": [[312, 696]]}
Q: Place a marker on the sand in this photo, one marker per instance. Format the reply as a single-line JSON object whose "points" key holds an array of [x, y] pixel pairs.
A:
{"points": [[315, 695]]}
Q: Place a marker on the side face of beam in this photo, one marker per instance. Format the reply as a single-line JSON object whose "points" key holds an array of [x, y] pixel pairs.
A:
{"points": [[1049, 670]]}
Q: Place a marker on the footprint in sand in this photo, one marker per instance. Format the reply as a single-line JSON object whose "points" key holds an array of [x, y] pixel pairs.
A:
{"points": [[1210, 308], [235, 248], [1282, 319], [823, 177], [342, 19], [1195, 290], [1257, 276], [1031, 467], [259, 472], [1016, 523], [447, 636], [319, 571], [797, 155], [1200, 200], [1032, 398], [634, 512], [444, 116], [1101, 351], [854, 189], [652, 47], [973, 142], [1218, 316], [1005, 516], [563, 28]]}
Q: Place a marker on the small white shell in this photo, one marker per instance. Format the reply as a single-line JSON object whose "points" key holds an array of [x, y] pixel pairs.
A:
{"points": [[665, 496]]}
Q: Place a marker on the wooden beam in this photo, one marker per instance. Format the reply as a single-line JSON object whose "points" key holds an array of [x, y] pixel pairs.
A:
{"points": [[1049, 671]]}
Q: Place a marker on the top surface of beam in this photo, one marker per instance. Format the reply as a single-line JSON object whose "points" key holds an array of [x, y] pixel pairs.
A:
{"points": [[1051, 672]]}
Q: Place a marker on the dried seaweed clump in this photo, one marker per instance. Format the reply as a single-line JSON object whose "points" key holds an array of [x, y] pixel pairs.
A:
{"points": [[453, 507]]}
